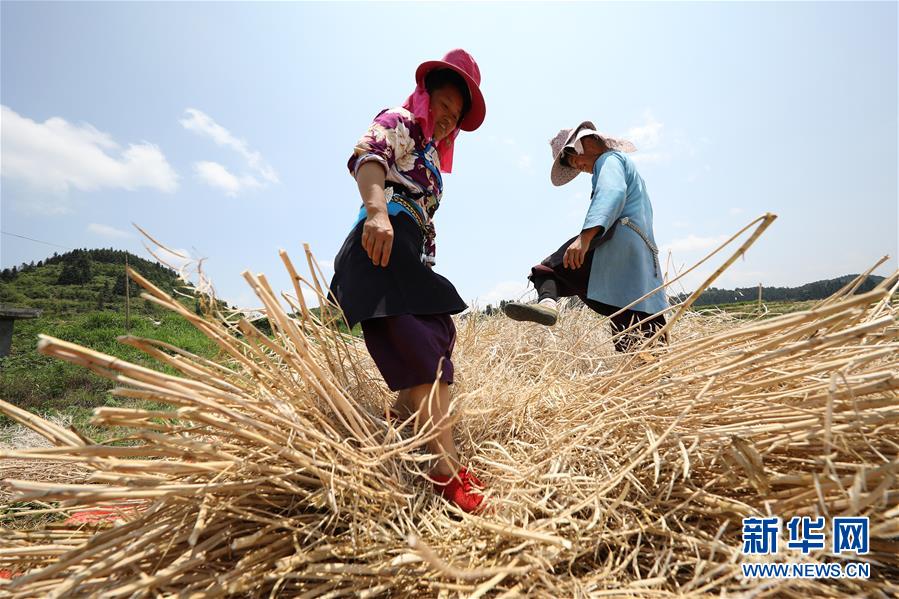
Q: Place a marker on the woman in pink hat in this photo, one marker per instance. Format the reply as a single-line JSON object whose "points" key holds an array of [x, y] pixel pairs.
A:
{"points": [[383, 274]]}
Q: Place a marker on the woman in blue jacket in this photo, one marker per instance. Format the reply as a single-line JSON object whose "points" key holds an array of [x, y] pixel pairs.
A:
{"points": [[614, 261]]}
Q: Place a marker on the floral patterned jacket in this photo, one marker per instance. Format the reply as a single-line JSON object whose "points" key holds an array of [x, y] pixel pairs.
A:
{"points": [[395, 140]]}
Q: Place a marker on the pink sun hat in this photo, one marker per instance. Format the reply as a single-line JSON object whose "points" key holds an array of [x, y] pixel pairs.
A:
{"points": [[464, 64]]}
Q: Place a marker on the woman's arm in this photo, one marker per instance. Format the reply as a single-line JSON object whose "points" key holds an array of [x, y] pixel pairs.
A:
{"points": [[609, 195], [609, 192], [377, 232], [577, 251]]}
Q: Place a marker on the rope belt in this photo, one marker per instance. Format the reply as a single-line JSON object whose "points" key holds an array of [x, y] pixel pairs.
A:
{"points": [[392, 195], [652, 247]]}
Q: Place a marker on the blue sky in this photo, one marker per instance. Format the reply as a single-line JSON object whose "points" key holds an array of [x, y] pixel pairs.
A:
{"points": [[224, 129]]}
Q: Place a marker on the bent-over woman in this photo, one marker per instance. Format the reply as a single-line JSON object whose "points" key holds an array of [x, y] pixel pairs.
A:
{"points": [[613, 261]]}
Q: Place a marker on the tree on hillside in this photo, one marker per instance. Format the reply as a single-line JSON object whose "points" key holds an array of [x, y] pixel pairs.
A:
{"points": [[104, 296], [119, 287], [76, 270], [810, 291]]}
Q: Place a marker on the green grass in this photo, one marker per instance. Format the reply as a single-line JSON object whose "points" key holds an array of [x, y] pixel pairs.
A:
{"points": [[93, 315], [48, 386], [749, 310], [87, 315]]}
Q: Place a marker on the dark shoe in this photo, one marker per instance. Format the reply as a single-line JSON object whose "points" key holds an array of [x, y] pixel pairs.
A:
{"points": [[539, 313]]}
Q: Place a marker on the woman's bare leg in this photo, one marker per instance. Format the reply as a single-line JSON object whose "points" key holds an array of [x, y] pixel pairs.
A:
{"points": [[437, 411], [402, 407]]}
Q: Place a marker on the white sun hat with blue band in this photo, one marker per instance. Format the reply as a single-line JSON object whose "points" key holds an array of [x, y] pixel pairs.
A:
{"points": [[571, 138]]}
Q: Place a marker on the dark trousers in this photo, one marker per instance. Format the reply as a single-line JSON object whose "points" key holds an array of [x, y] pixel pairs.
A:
{"points": [[552, 280]]}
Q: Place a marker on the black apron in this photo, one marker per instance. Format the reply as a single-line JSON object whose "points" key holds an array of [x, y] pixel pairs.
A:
{"points": [[405, 286]]}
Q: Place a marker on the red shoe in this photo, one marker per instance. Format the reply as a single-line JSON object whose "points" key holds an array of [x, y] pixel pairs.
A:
{"points": [[461, 490]]}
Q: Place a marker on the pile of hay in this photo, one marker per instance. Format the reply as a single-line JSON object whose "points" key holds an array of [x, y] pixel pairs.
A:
{"points": [[608, 475]]}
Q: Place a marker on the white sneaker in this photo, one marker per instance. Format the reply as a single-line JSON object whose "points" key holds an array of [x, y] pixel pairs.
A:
{"points": [[550, 303]]}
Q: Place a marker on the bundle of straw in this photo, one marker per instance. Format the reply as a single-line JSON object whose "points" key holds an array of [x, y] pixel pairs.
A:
{"points": [[276, 474]]}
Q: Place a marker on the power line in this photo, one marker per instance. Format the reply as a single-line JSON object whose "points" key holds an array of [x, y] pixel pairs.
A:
{"points": [[36, 240]]}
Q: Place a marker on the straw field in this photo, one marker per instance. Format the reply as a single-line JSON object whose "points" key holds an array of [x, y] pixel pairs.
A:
{"points": [[608, 475]]}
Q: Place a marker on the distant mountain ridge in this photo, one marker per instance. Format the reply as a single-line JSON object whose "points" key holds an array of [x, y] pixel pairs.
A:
{"points": [[816, 290], [81, 280]]}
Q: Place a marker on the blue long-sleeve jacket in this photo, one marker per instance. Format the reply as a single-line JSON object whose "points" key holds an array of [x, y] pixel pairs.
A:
{"points": [[625, 267]]}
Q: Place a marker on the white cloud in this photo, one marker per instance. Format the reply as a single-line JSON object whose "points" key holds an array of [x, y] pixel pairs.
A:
{"points": [[699, 173], [681, 254], [175, 258], [56, 156], [215, 174], [49, 204], [693, 243], [107, 231], [648, 135], [735, 211], [327, 266], [659, 144], [505, 290], [525, 162], [249, 303], [648, 138], [310, 297], [650, 157]]}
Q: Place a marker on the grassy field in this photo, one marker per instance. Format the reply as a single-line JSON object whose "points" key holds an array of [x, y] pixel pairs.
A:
{"points": [[91, 314], [47, 386], [750, 310]]}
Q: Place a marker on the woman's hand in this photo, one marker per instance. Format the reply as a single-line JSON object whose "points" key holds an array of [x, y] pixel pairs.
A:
{"points": [[377, 232], [574, 255], [577, 251], [377, 237]]}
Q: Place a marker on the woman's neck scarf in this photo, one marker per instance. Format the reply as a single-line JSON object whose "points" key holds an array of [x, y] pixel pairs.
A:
{"points": [[419, 104]]}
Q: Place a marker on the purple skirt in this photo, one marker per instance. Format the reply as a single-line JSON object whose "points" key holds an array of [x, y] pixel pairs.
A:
{"points": [[408, 348]]}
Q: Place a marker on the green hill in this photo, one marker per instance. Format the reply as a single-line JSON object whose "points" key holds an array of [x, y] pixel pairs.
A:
{"points": [[82, 296], [80, 281], [817, 290]]}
